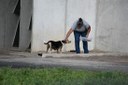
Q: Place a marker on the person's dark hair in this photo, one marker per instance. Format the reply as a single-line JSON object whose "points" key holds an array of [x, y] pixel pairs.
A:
{"points": [[80, 20], [80, 23]]}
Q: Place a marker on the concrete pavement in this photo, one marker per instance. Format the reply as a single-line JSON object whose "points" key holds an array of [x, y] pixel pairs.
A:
{"points": [[91, 61]]}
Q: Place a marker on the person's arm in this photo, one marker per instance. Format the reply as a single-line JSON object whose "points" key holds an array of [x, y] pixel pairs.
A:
{"points": [[88, 32], [68, 34]]}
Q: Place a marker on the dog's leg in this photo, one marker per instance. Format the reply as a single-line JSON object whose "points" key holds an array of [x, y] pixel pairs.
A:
{"points": [[61, 49], [48, 46], [57, 50], [47, 50], [50, 50]]}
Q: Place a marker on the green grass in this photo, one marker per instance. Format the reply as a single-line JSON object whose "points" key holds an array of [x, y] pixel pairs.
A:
{"points": [[60, 76]]}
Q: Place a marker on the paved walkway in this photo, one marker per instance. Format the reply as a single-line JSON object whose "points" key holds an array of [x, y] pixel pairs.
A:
{"points": [[92, 61]]}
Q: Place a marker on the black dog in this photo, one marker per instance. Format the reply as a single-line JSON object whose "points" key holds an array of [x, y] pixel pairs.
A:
{"points": [[56, 45]]}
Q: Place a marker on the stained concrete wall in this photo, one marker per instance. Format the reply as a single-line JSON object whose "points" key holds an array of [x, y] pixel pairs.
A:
{"points": [[112, 29], [7, 23], [11, 23], [3, 5], [52, 19], [25, 20], [10, 17]]}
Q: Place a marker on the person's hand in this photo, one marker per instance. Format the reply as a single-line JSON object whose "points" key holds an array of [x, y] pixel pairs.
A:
{"points": [[66, 39], [86, 36], [89, 39]]}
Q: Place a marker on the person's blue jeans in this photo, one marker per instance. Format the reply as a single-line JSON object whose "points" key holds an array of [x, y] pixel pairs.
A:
{"points": [[77, 42]]}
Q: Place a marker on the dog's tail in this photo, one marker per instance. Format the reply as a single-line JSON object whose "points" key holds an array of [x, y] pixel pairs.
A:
{"points": [[46, 43]]}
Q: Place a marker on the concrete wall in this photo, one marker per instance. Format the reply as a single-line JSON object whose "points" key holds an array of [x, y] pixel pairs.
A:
{"points": [[85, 9], [25, 19], [52, 19], [3, 5], [112, 29], [7, 23], [11, 23], [11, 14], [48, 22]]}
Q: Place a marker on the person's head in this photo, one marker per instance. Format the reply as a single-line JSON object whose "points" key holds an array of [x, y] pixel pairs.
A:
{"points": [[80, 23]]}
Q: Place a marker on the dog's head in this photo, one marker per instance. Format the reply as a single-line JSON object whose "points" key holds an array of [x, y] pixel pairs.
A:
{"points": [[66, 41]]}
